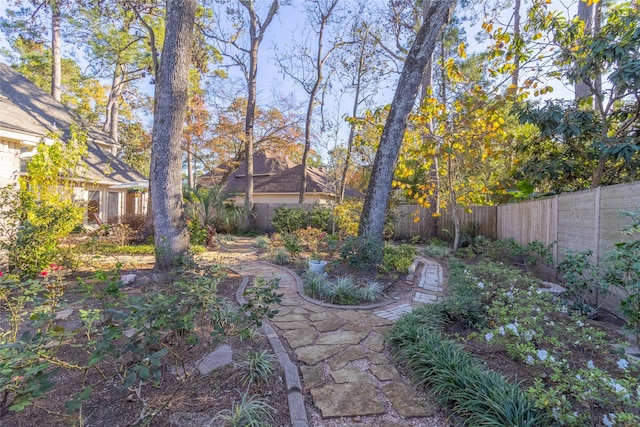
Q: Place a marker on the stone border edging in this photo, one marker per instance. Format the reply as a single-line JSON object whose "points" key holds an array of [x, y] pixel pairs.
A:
{"points": [[300, 287], [297, 409]]}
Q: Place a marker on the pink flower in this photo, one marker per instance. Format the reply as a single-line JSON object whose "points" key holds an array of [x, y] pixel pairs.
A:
{"points": [[1, 273], [44, 273]]}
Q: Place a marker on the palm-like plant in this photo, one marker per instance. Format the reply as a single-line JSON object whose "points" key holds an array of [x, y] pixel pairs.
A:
{"points": [[210, 206]]}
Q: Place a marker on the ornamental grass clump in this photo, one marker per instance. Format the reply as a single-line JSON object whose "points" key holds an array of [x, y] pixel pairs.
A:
{"points": [[478, 396], [342, 291]]}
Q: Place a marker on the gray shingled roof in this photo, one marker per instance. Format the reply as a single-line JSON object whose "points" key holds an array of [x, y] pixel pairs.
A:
{"points": [[26, 108], [274, 174], [265, 166]]}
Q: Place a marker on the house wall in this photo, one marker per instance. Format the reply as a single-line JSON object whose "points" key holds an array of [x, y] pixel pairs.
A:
{"points": [[112, 203], [9, 162]]}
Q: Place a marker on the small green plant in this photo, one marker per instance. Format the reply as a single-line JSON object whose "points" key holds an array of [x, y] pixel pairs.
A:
{"points": [[292, 243], [371, 291], [316, 286], [345, 292], [250, 411], [531, 254], [437, 251], [257, 367], [251, 333], [262, 242], [581, 280], [106, 288], [281, 257]]}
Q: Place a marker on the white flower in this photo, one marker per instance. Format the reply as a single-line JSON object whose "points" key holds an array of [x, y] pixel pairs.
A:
{"points": [[501, 329], [530, 359], [580, 323], [481, 285], [564, 309], [618, 388], [509, 294], [590, 364], [579, 377], [542, 354], [537, 309], [609, 422], [623, 364], [528, 335], [488, 336], [513, 327]]}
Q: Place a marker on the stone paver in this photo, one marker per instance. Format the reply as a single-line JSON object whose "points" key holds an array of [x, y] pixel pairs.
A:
{"points": [[341, 352], [218, 358], [347, 400]]}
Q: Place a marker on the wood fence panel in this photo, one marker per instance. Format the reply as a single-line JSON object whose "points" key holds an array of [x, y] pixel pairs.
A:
{"points": [[613, 200], [528, 221], [577, 222]]}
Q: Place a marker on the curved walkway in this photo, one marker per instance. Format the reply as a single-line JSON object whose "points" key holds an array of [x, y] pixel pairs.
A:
{"points": [[341, 354]]}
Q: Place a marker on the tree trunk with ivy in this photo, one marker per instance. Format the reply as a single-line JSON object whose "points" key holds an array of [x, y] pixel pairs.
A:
{"points": [[170, 230], [379, 191]]}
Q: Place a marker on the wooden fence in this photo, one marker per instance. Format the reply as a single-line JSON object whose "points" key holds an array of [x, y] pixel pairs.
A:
{"points": [[579, 221], [587, 220], [410, 220], [414, 220]]}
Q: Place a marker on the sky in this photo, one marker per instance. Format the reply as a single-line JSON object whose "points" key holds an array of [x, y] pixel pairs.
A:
{"points": [[288, 29]]}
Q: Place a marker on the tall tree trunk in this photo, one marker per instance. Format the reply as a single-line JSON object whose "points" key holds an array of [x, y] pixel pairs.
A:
{"points": [[378, 193], [434, 173], [585, 13], [517, 35], [56, 55], [256, 33], [320, 60], [113, 104], [171, 237], [352, 130]]}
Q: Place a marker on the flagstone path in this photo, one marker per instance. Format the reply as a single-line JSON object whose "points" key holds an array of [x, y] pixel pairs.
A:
{"points": [[341, 355]]}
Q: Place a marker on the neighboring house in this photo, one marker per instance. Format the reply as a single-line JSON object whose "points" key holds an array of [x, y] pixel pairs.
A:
{"points": [[277, 180], [28, 115]]}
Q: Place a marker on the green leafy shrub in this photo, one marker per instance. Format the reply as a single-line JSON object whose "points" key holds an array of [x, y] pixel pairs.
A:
{"points": [[197, 232], [622, 269], [292, 243], [347, 216], [288, 220], [437, 251], [397, 258], [32, 229], [581, 280], [361, 252]]}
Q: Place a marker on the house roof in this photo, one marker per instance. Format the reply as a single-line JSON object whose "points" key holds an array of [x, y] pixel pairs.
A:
{"points": [[28, 110], [266, 165], [274, 174]]}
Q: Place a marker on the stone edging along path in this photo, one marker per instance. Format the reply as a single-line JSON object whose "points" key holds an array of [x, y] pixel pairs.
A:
{"points": [[341, 351]]}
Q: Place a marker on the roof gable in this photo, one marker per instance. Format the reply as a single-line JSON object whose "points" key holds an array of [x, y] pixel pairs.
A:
{"points": [[25, 108]]}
